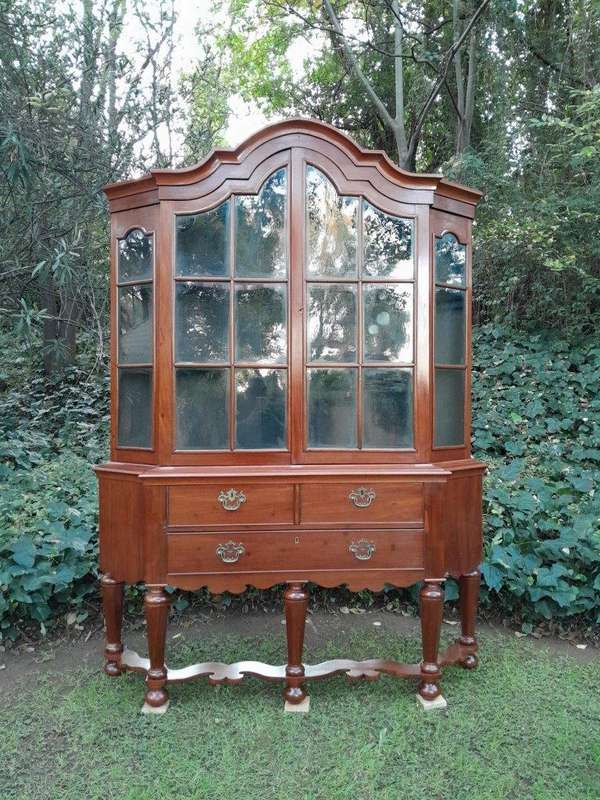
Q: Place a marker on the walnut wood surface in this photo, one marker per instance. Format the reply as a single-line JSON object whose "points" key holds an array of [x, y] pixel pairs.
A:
{"points": [[281, 551], [324, 503], [161, 521], [156, 607], [112, 601], [432, 605], [296, 605]]}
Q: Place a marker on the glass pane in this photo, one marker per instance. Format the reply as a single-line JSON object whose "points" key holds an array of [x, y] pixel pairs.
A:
{"points": [[260, 323], [260, 232], [135, 408], [388, 245], [388, 322], [387, 408], [450, 260], [202, 243], [201, 322], [135, 324], [332, 408], [450, 326], [330, 228], [331, 323], [260, 408], [202, 409], [135, 256], [449, 407]]}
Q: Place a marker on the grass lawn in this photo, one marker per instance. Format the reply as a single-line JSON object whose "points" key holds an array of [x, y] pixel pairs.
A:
{"points": [[525, 725]]}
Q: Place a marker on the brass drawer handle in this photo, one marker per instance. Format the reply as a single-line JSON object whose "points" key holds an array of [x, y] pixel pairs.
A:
{"points": [[230, 552], [361, 497], [362, 550], [231, 500]]}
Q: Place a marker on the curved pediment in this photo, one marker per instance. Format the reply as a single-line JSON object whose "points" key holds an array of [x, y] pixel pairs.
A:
{"points": [[308, 134]]}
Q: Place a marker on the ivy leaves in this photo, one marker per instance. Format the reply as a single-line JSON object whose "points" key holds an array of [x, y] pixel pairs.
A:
{"points": [[536, 421]]}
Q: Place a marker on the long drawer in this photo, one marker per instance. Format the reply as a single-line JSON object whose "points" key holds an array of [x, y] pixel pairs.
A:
{"points": [[198, 553], [370, 502]]}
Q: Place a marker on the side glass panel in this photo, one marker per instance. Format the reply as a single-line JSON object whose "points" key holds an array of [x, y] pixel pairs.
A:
{"points": [[260, 230], [332, 408], [134, 425], [201, 409], [260, 408], [201, 322], [202, 243], [388, 323], [331, 322], [449, 347], [388, 243], [135, 324], [135, 257], [387, 408], [449, 407], [231, 310], [135, 339], [450, 260], [449, 326], [260, 323], [331, 223]]}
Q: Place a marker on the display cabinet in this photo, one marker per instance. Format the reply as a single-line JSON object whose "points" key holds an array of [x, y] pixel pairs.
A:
{"points": [[290, 395]]}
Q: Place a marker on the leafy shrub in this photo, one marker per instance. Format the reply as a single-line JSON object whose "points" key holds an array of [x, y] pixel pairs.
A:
{"points": [[49, 436], [536, 422]]}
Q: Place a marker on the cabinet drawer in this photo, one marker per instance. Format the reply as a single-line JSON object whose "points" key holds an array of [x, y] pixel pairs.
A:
{"points": [[288, 551], [231, 504], [361, 503]]}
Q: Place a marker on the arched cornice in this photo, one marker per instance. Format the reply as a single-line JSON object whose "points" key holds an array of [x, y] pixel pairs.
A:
{"points": [[307, 131]]}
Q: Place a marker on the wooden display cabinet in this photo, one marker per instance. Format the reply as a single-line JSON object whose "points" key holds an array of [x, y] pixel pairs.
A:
{"points": [[291, 394]]}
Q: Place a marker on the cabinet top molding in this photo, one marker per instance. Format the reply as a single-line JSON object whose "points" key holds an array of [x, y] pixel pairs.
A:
{"points": [[298, 132]]}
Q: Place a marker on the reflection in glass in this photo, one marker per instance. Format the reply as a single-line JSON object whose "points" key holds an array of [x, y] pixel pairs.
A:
{"points": [[449, 407], [260, 230], [135, 256], [331, 322], [260, 408], [201, 409], [135, 408], [201, 243], [388, 245], [332, 408], [387, 408], [260, 323], [135, 324], [450, 326], [330, 228], [201, 322], [450, 260], [388, 322]]}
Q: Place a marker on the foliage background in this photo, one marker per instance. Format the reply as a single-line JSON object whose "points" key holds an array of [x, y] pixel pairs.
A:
{"points": [[89, 94]]}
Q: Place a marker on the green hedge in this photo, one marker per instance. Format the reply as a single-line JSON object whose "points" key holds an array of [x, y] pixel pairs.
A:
{"points": [[536, 422]]}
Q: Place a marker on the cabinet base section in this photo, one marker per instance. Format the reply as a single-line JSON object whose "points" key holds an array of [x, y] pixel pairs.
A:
{"points": [[238, 582]]}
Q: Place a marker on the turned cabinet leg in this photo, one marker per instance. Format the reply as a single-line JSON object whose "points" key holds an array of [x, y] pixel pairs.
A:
{"points": [[432, 605], [469, 599], [296, 604], [156, 608], [112, 602]]}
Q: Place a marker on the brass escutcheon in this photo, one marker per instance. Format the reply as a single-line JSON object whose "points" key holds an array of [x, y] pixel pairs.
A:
{"points": [[231, 499], [363, 549], [361, 497], [230, 552]]}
